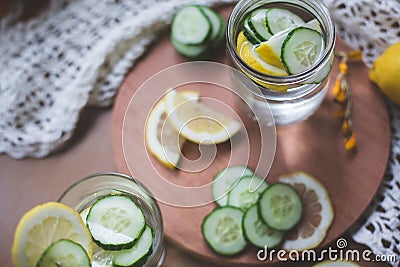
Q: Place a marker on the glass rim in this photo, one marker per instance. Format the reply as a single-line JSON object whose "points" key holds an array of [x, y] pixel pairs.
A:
{"points": [[294, 78], [99, 174], [142, 192]]}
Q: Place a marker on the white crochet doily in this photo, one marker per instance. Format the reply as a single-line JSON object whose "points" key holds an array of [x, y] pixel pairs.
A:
{"points": [[77, 53]]}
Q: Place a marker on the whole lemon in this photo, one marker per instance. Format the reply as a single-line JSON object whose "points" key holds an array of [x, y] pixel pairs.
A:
{"points": [[385, 72]]}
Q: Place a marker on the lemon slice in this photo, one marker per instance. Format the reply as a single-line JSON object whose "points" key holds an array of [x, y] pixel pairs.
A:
{"points": [[317, 212], [42, 226], [337, 263], [197, 122], [251, 58], [268, 54], [162, 140], [240, 40]]}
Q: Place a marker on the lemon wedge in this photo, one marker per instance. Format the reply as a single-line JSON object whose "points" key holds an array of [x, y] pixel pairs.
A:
{"points": [[197, 122], [162, 140], [251, 58], [317, 212], [269, 55], [240, 40], [42, 226]]}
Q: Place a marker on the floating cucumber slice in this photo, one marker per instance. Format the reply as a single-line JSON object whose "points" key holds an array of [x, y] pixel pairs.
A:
{"points": [[258, 23], [301, 49], [276, 41], [65, 253], [249, 33], [278, 19], [280, 206], [136, 255], [222, 230], [115, 222]]}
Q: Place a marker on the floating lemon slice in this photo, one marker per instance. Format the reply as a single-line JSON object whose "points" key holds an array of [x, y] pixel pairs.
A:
{"points": [[162, 140], [42, 226], [268, 54], [240, 40], [337, 263], [317, 212], [251, 58], [197, 122]]}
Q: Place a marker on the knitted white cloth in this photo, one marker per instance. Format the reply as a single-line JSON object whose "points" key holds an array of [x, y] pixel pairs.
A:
{"points": [[77, 53]]}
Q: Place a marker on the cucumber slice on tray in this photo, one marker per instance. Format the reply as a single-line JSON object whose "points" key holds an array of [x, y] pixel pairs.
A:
{"points": [[246, 192], [66, 253], [280, 207], [196, 30], [222, 230], [115, 222], [257, 232], [190, 26], [225, 180]]}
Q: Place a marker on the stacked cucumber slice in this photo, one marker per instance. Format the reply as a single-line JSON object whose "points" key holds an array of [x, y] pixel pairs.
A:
{"points": [[117, 225], [250, 211], [298, 44], [196, 31]]}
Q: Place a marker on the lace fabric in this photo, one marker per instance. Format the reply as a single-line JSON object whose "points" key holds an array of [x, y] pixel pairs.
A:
{"points": [[77, 53]]}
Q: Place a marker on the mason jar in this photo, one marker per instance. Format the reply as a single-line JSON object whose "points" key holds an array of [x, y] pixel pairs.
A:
{"points": [[303, 92], [81, 196]]}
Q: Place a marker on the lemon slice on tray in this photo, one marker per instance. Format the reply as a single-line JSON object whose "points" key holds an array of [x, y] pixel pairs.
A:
{"points": [[317, 212], [42, 226], [197, 122], [162, 140]]}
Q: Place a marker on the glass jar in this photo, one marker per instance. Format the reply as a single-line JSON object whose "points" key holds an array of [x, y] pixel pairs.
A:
{"points": [[304, 91], [81, 195]]}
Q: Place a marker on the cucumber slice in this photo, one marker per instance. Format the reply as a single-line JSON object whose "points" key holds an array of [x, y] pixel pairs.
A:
{"points": [[217, 25], [115, 222], [279, 19], [280, 206], [66, 253], [225, 180], [137, 255], [257, 232], [190, 26], [258, 23], [191, 51], [249, 33], [222, 230], [301, 49], [276, 41], [246, 192]]}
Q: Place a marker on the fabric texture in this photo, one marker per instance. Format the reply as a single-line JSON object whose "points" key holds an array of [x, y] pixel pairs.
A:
{"points": [[77, 53]]}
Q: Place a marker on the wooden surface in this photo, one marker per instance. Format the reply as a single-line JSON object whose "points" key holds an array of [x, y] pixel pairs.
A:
{"points": [[29, 182], [314, 146], [26, 183]]}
